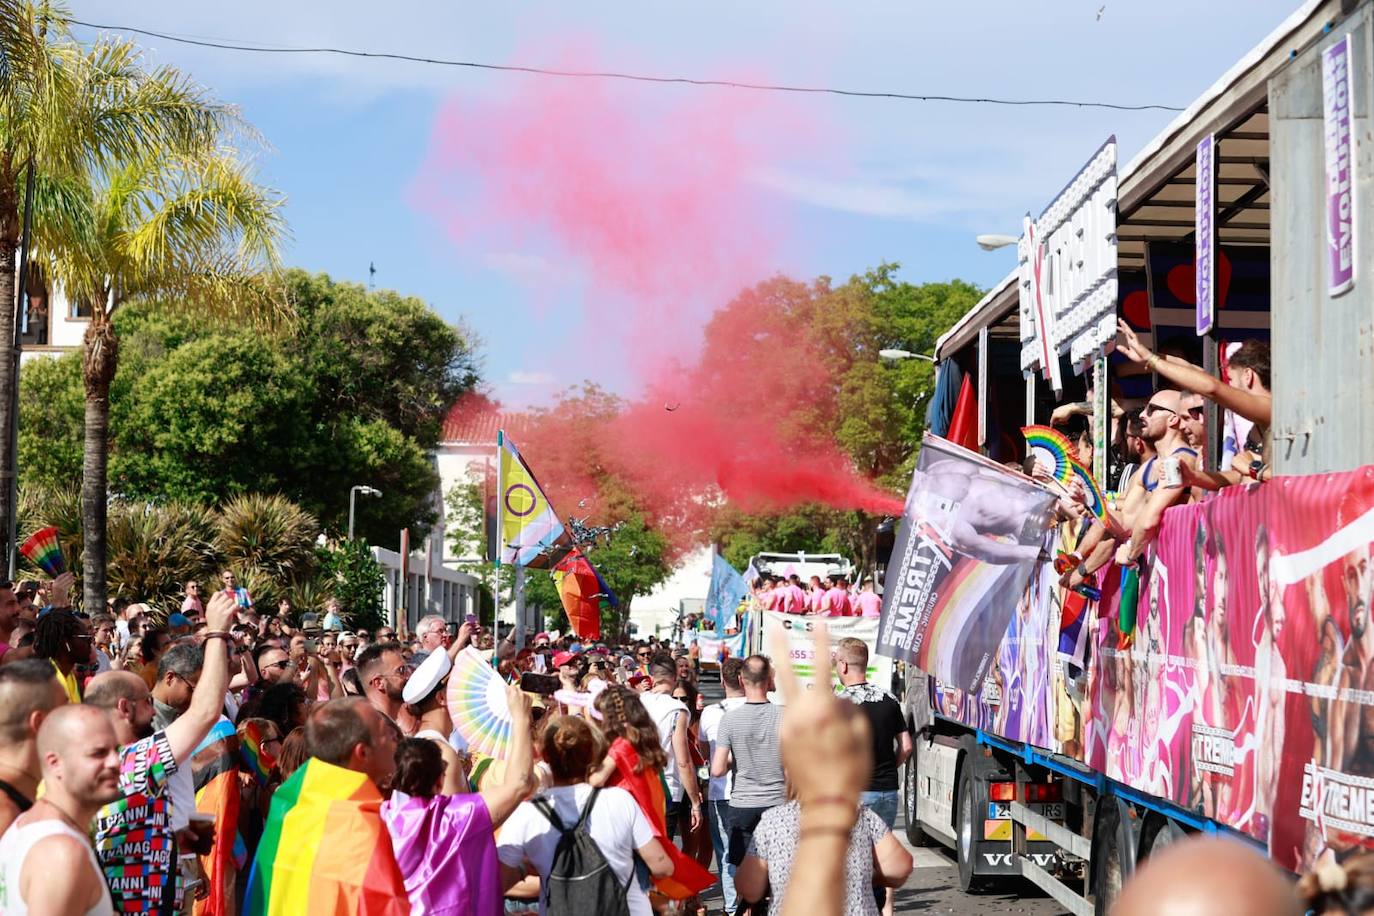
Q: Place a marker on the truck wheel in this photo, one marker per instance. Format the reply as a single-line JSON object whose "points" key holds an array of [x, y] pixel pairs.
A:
{"points": [[914, 834], [1113, 861], [964, 826], [1158, 833]]}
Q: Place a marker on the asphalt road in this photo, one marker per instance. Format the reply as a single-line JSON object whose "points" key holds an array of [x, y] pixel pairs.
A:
{"points": [[934, 883]]}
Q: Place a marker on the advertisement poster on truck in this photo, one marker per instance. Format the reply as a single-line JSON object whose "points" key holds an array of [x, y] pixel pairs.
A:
{"points": [[796, 630], [1245, 690], [971, 533]]}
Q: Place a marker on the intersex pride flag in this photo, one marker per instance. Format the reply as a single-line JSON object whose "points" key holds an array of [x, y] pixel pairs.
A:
{"points": [[971, 532]]}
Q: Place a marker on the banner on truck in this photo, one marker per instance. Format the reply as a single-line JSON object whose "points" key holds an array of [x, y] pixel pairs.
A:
{"points": [[971, 533], [796, 630], [1245, 692]]}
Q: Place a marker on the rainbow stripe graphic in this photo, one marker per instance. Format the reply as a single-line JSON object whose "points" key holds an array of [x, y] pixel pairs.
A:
{"points": [[325, 850], [954, 640], [255, 760], [477, 704], [1052, 448], [43, 551], [1097, 504]]}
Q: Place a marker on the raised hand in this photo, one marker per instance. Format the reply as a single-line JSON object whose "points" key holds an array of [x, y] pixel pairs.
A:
{"points": [[220, 611], [1129, 345], [826, 745], [60, 595]]}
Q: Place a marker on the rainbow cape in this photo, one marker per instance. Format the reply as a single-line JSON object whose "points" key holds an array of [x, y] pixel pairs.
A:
{"points": [[688, 877], [43, 551], [252, 758], [325, 850]]}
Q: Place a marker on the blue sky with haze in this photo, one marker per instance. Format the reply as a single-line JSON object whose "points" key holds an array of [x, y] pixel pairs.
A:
{"points": [[890, 180]]}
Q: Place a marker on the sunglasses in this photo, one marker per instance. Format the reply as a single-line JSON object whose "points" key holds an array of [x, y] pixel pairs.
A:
{"points": [[1152, 409]]}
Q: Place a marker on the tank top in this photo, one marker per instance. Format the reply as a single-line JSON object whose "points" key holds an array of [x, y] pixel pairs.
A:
{"points": [[14, 849]]}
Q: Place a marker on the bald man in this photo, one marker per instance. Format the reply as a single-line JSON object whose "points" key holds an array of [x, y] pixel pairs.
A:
{"points": [[1166, 423], [134, 833], [1207, 875], [46, 861], [29, 690]]}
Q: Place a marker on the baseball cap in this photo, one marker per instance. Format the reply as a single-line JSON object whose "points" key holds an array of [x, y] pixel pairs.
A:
{"points": [[637, 679], [575, 647], [564, 658], [539, 636], [178, 619]]}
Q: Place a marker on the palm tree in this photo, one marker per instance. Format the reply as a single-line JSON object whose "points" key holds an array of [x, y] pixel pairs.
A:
{"points": [[66, 111], [192, 229]]}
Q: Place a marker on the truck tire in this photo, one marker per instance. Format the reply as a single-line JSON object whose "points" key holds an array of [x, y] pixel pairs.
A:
{"points": [[914, 834], [1158, 833], [966, 822], [1113, 855]]}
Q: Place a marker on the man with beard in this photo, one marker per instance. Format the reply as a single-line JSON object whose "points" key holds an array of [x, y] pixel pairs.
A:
{"points": [[134, 836], [46, 863], [383, 670], [1270, 692]]}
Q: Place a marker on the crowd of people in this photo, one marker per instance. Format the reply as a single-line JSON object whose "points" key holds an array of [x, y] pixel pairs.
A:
{"points": [[120, 731], [830, 596]]}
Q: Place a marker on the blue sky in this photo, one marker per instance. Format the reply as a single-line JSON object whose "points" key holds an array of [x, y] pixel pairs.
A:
{"points": [[889, 180]]}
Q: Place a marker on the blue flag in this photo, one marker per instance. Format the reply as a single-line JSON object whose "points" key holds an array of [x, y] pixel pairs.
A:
{"points": [[727, 591]]}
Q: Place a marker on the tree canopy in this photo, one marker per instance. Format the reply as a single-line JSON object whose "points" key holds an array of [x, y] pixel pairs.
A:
{"points": [[352, 391]]}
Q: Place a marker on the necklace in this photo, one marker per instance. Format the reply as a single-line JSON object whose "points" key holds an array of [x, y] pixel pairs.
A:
{"points": [[62, 814]]}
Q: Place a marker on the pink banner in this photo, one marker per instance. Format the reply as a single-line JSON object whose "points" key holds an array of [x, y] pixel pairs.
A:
{"points": [[1246, 690]]}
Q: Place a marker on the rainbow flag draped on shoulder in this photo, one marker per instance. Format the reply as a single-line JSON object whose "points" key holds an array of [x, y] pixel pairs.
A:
{"points": [[325, 850], [529, 529], [688, 877]]}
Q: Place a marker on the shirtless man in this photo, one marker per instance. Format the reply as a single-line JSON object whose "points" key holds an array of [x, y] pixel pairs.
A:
{"points": [[1173, 444], [987, 505], [1351, 721], [1163, 434]]}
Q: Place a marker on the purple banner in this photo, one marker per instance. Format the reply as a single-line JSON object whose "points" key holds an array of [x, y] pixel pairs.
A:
{"points": [[1205, 273], [1340, 197]]}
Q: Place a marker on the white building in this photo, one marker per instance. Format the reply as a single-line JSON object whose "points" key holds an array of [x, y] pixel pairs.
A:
{"points": [[50, 323]]}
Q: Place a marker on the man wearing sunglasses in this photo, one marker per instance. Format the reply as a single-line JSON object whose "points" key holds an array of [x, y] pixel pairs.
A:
{"points": [[1165, 424], [383, 670], [1177, 417]]}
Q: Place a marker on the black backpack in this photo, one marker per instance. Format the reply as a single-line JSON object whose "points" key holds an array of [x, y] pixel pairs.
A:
{"points": [[581, 881]]}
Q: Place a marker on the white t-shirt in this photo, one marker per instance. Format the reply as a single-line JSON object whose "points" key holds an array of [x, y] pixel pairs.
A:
{"points": [[710, 726], [616, 825], [664, 710]]}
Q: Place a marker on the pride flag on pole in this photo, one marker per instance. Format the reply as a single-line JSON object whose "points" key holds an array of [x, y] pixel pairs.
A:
{"points": [[529, 528], [727, 590], [325, 850]]}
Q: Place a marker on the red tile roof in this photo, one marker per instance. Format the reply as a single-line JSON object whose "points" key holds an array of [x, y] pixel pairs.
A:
{"points": [[475, 422]]}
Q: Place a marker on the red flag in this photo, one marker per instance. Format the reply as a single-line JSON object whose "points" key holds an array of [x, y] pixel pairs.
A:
{"points": [[963, 425], [580, 590]]}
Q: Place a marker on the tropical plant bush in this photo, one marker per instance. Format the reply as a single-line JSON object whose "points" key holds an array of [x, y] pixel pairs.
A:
{"points": [[268, 535]]}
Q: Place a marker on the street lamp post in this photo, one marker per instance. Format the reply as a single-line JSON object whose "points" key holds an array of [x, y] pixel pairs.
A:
{"points": [[352, 496], [906, 354]]}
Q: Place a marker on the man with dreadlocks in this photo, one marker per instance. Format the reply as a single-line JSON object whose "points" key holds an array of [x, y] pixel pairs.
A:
{"points": [[65, 640]]}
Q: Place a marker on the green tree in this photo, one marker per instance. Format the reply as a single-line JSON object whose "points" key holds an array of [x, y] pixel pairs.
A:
{"points": [[356, 580], [67, 112], [52, 406]]}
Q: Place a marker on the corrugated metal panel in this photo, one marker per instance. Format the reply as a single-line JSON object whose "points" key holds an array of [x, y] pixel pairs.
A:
{"points": [[1323, 351]]}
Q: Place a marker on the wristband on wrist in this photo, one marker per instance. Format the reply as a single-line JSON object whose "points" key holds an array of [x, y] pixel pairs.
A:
{"points": [[216, 634]]}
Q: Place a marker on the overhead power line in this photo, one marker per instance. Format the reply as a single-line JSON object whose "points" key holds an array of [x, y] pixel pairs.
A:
{"points": [[615, 75]]}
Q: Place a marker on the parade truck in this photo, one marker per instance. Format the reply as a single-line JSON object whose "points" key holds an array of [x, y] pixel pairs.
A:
{"points": [[803, 565], [1224, 685]]}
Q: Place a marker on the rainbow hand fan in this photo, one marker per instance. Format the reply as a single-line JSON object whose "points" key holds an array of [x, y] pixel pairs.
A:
{"points": [[43, 551], [477, 704], [1096, 504], [1052, 448]]}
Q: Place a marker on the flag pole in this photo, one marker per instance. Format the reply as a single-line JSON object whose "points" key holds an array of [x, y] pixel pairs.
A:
{"points": [[519, 606]]}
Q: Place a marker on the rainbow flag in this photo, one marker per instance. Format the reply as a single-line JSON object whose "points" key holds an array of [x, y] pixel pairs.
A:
{"points": [[325, 850], [651, 794], [215, 775], [529, 528], [252, 757]]}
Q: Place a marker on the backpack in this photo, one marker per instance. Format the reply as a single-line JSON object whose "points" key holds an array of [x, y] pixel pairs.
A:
{"points": [[581, 881]]}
